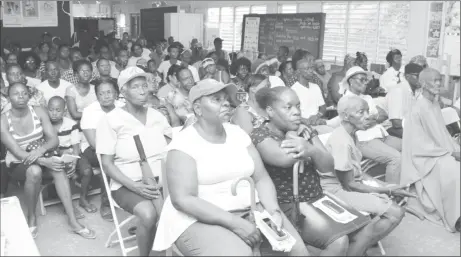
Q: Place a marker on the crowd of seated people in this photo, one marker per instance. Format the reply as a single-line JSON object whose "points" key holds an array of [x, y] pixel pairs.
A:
{"points": [[208, 118]]}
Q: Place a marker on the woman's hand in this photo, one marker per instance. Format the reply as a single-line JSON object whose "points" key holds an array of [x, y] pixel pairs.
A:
{"points": [[297, 146], [54, 164], [247, 231], [149, 192], [34, 155]]}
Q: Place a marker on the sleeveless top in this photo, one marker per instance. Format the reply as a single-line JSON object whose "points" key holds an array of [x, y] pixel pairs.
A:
{"points": [[24, 141]]}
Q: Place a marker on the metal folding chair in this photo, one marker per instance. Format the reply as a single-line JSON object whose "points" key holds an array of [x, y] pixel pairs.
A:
{"points": [[118, 225]]}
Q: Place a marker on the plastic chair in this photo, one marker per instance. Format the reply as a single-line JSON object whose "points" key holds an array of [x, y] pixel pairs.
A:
{"points": [[121, 240]]}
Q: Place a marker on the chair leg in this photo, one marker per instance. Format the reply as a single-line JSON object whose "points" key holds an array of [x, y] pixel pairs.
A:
{"points": [[381, 248]]}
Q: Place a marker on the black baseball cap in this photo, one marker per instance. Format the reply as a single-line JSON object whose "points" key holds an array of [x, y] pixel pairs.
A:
{"points": [[218, 39], [413, 68]]}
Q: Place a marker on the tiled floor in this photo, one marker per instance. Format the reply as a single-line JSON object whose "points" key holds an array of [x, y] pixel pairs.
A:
{"points": [[412, 237]]}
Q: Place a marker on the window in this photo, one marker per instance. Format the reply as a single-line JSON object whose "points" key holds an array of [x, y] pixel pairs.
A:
{"points": [[259, 9], [288, 8], [370, 27], [229, 21]]}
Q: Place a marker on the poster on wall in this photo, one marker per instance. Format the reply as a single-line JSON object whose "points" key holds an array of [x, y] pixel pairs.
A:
{"points": [[452, 36], [251, 36], [435, 29], [30, 13]]}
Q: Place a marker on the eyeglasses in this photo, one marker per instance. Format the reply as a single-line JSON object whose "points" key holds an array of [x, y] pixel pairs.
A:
{"points": [[362, 80], [30, 61]]}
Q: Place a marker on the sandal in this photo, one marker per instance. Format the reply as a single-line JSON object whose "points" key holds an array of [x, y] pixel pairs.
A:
{"points": [[106, 214], [90, 208], [85, 233], [33, 231]]}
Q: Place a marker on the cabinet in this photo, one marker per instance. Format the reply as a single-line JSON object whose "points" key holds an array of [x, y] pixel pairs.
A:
{"points": [[183, 27]]}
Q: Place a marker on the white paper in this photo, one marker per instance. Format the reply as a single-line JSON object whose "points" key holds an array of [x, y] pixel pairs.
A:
{"points": [[343, 218], [251, 36], [280, 246], [30, 13]]}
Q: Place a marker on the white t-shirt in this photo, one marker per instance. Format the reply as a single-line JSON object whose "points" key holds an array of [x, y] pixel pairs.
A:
{"points": [[276, 82], [311, 98], [165, 66], [391, 78], [114, 136], [218, 166], [91, 116], [49, 91], [146, 54], [378, 130]]}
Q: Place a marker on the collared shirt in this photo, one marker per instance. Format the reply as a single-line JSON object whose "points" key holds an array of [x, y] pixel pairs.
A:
{"points": [[310, 97], [391, 78], [399, 100], [378, 130]]}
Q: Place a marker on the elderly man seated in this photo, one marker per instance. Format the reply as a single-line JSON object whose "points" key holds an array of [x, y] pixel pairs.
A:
{"points": [[430, 156], [374, 141], [348, 182]]}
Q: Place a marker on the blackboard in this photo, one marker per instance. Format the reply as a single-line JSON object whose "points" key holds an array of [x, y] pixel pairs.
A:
{"points": [[30, 36], [153, 22], [298, 30]]}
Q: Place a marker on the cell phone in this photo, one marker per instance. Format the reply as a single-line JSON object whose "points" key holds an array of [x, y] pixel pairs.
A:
{"points": [[333, 206], [272, 225]]}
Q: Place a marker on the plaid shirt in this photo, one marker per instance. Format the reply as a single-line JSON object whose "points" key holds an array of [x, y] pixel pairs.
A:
{"points": [[72, 78]]}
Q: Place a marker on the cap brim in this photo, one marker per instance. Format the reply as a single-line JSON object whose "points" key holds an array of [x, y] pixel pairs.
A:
{"points": [[230, 90], [144, 75]]}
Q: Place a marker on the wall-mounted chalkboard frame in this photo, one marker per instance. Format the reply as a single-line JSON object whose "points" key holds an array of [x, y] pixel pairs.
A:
{"points": [[317, 51], [153, 22]]}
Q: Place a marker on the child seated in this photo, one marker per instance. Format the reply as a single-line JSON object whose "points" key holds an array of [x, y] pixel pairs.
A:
{"points": [[69, 143]]}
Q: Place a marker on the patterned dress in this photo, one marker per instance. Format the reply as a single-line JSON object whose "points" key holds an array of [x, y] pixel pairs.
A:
{"points": [[310, 189]]}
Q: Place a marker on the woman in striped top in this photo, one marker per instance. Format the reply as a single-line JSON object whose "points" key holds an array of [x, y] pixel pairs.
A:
{"points": [[22, 126]]}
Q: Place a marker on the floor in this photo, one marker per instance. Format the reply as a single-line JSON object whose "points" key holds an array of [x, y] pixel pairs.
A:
{"points": [[412, 237]]}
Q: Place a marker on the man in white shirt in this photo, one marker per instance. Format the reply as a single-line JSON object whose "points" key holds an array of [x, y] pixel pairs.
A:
{"points": [[394, 75], [54, 85], [173, 51], [374, 142], [399, 100], [310, 96]]}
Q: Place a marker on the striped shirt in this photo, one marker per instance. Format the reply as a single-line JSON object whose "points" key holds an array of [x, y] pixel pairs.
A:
{"points": [[68, 134], [24, 141]]}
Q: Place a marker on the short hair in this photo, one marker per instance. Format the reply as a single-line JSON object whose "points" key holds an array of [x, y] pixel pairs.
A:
{"points": [[57, 98], [10, 54], [151, 61], [74, 50], [391, 54], [51, 62], [25, 55], [283, 66], [98, 48], [42, 44], [242, 61], [210, 54], [135, 44], [299, 55], [285, 48], [100, 60], [110, 82], [13, 85], [181, 69], [223, 63], [268, 96], [173, 71], [360, 57], [121, 50], [79, 63], [345, 103], [253, 81], [11, 66], [173, 46], [61, 46]]}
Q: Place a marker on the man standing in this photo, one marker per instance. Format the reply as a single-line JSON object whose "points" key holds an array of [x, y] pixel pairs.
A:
{"points": [[222, 54], [54, 85]]}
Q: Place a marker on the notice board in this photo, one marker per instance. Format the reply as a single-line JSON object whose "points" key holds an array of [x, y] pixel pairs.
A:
{"points": [[153, 22], [297, 30]]}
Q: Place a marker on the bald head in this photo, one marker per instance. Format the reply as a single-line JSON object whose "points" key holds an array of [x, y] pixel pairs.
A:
{"points": [[349, 104], [431, 80]]}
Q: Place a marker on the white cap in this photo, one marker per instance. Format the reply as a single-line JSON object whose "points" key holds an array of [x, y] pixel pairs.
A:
{"points": [[128, 74], [343, 85]]}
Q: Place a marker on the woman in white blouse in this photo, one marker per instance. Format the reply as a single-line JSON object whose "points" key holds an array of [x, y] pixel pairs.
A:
{"points": [[395, 73], [201, 216], [120, 158]]}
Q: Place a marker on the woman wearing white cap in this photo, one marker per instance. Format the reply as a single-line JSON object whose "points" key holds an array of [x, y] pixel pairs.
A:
{"points": [[201, 216], [120, 158], [211, 72], [375, 143]]}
